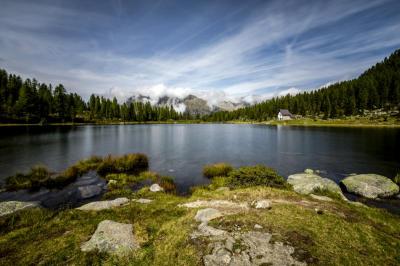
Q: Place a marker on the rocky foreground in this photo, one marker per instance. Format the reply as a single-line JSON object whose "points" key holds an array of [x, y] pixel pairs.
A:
{"points": [[215, 226]]}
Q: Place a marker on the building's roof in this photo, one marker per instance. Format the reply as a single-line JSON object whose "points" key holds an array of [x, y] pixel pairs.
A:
{"points": [[285, 112]]}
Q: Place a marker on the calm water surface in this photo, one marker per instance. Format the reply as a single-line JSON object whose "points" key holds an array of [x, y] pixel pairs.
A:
{"points": [[181, 150]]}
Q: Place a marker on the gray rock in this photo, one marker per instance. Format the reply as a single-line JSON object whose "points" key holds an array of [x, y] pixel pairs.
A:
{"points": [[370, 186], [102, 205], [225, 206], [112, 237], [257, 226], [86, 192], [205, 230], [321, 198], [156, 188], [8, 207], [143, 201], [307, 183], [255, 249], [262, 204], [208, 214], [309, 171]]}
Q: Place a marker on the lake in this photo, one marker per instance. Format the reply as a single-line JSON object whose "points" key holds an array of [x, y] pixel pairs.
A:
{"points": [[181, 150]]}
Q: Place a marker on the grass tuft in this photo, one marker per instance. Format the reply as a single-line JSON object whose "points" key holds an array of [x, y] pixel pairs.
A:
{"points": [[218, 169]]}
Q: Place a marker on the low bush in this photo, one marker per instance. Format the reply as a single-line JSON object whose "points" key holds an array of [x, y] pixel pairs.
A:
{"points": [[129, 163], [218, 169], [258, 175]]}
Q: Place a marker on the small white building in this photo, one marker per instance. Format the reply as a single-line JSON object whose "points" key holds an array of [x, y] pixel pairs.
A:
{"points": [[284, 114]]}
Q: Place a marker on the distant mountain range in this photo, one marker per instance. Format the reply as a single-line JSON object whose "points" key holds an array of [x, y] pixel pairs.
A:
{"points": [[191, 104]]}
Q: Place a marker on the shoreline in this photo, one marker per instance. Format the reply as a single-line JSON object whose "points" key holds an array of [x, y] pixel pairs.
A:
{"points": [[302, 123]]}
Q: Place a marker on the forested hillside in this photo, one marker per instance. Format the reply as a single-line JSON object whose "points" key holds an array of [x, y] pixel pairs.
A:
{"points": [[28, 101], [378, 87]]}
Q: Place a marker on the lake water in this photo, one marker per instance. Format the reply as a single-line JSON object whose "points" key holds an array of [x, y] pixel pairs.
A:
{"points": [[181, 150]]}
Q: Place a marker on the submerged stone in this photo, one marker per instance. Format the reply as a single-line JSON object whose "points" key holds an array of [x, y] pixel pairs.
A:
{"points": [[370, 186], [90, 191]]}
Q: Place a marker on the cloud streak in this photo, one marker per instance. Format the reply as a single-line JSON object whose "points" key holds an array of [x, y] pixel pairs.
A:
{"points": [[266, 50]]}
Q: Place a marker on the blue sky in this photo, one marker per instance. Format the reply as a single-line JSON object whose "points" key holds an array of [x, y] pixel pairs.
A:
{"points": [[215, 49]]}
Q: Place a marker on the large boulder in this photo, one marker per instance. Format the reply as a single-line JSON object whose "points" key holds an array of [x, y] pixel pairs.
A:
{"points": [[306, 184], [112, 237], [8, 207], [104, 204], [370, 186]]}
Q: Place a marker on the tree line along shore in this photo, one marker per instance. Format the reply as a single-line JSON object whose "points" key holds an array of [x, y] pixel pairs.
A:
{"points": [[374, 95]]}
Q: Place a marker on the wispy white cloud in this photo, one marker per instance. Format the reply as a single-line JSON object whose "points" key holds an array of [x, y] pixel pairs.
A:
{"points": [[281, 48]]}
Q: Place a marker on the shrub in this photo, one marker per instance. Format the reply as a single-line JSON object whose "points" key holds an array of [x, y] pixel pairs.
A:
{"points": [[218, 169], [258, 175], [130, 163]]}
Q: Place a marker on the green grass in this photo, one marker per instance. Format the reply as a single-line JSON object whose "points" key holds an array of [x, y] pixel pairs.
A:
{"points": [[40, 176], [217, 169], [343, 235]]}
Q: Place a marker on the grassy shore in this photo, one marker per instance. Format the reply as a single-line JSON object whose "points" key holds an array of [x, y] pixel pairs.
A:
{"points": [[340, 233], [343, 235], [344, 122]]}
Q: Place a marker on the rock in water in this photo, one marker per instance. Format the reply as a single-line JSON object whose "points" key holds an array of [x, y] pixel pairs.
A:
{"points": [[304, 183], [86, 192], [370, 186], [104, 204], [156, 188], [8, 207], [208, 214], [112, 237]]}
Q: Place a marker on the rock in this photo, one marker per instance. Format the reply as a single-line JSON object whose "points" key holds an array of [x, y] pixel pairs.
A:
{"points": [[257, 226], [321, 198], [225, 206], [8, 207], [112, 237], [105, 204], [156, 188], [309, 171], [254, 249], [205, 230], [307, 183], [86, 192], [262, 204], [223, 189], [208, 214], [143, 201], [370, 186]]}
